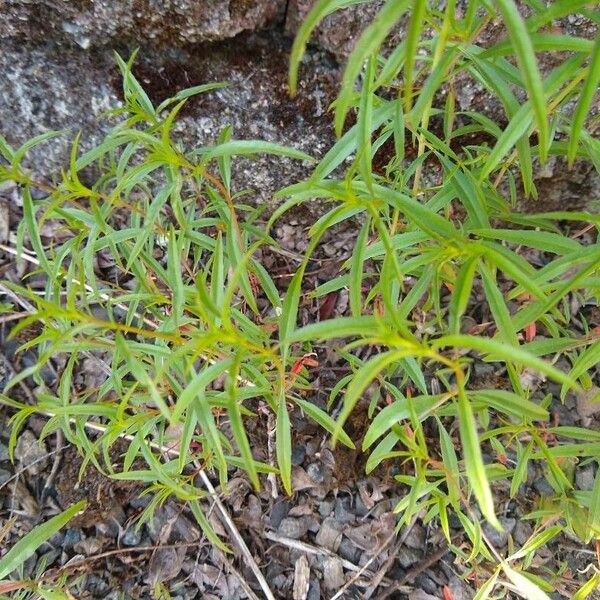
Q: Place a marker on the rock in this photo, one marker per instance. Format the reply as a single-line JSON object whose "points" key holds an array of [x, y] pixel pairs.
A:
{"points": [[588, 402], [348, 550], [330, 534], [427, 584], [584, 477], [407, 557], [132, 537], [293, 528], [298, 454], [415, 538], [314, 591], [422, 595], [325, 508], [333, 573], [72, 536], [30, 453], [315, 472], [542, 487], [98, 23], [342, 512], [280, 509], [42, 89], [522, 532], [500, 538], [4, 476], [459, 589], [3, 452]]}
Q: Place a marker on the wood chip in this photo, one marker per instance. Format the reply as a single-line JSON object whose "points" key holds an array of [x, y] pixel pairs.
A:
{"points": [[301, 578]]}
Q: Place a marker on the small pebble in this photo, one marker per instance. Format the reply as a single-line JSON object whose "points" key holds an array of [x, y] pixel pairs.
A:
{"points": [[584, 477], [407, 557], [315, 472], [30, 453], [298, 455], [132, 537], [348, 550], [3, 452], [330, 534], [293, 528], [416, 538], [342, 512], [4, 476], [280, 510], [72, 537], [325, 508], [542, 487], [522, 532], [500, 538], [333, 573]]}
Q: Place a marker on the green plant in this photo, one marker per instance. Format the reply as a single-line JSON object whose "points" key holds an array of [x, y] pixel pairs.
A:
{"points": [[197, 338], [26, 547]]}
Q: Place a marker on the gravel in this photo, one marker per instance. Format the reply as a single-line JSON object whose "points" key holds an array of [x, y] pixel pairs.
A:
{"points": [[293, 528]]}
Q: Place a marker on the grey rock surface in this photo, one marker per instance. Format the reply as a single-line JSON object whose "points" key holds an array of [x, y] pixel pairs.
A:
{"points": [[53, 86], [92, 23]]}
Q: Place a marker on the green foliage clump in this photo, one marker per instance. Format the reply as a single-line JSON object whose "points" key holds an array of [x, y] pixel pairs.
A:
{"points": [[198, 336]]}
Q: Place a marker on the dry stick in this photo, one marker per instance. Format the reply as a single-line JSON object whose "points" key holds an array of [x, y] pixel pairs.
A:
{"points": [[310, 549], [359, 573], [390, 560], [416, 570]]}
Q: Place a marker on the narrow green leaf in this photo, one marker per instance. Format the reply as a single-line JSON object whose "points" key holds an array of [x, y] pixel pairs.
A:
{"points": [[356, 270], [528, 64], [28, 545], [589, 90], [368, 43], [474, 465], [324, 420], [526, 588]]}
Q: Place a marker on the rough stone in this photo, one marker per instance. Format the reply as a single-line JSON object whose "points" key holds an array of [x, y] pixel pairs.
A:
{"points": [[522, 532], [132, 537], [330, 534], [584, 477], [293, 528], [42, 89], [4, 476], [333, 573], [30, 453], [92, 23], [500, 538], [3, 452]]}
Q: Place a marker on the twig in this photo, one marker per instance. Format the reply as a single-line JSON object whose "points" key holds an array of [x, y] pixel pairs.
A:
{"points": [[374, 584], [415, 571], [359, 573], [271, 477], [60, 439], [233, 530], [310, 549], [242, 581]]}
